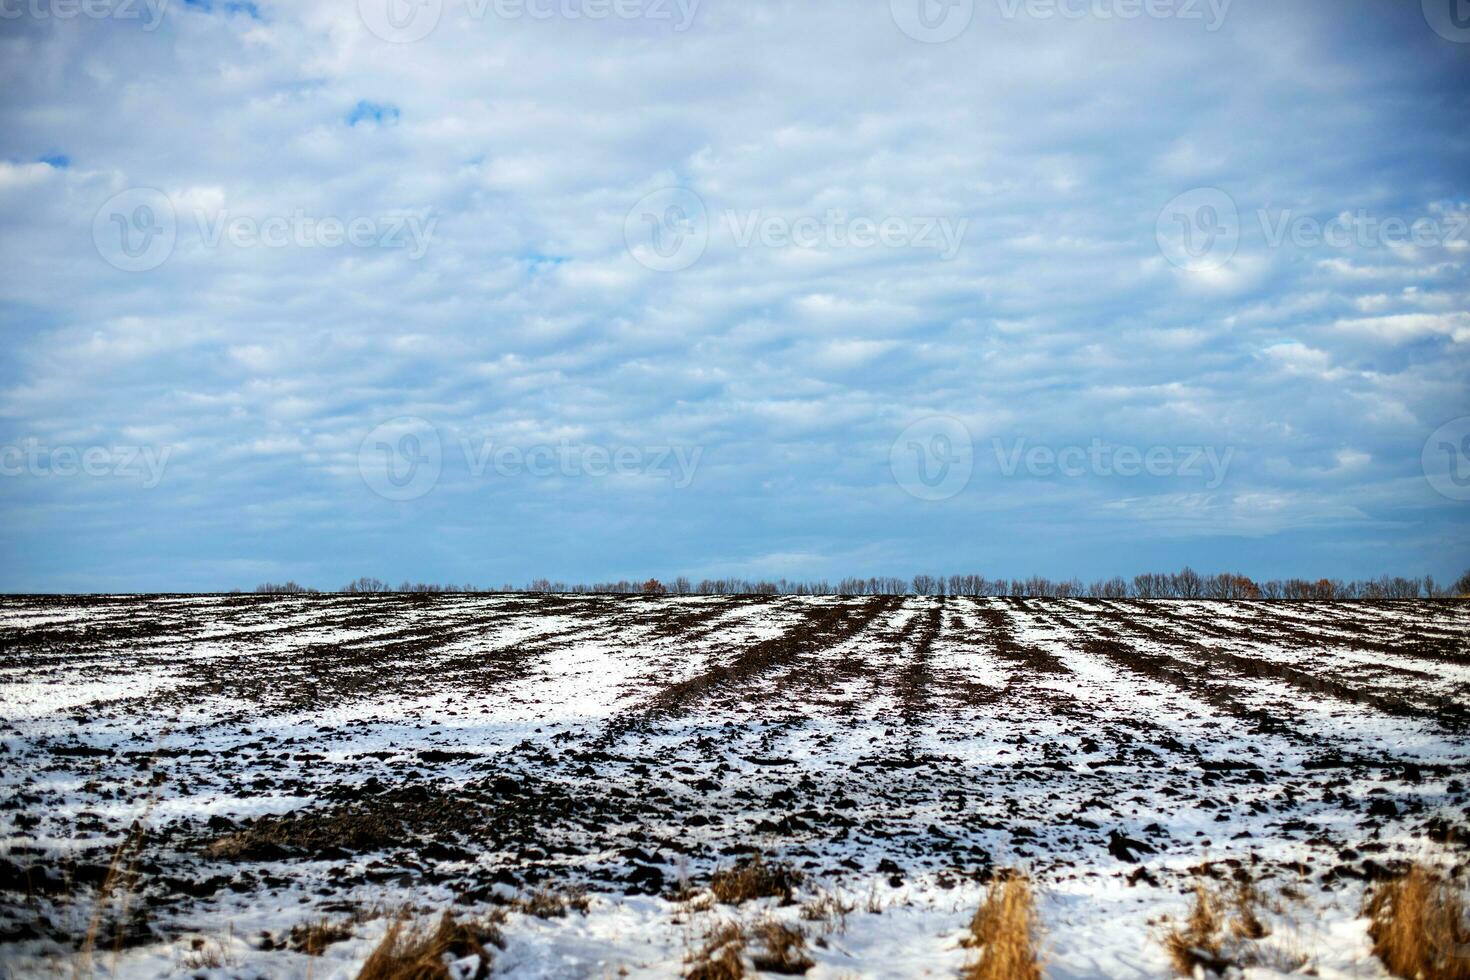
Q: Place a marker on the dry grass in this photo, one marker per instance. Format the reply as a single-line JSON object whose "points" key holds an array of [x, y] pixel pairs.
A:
{"points": [[207, 954], [829, 909], [313, 938], [1419, 927], [1245, 903], [1223, 926], [550, 903], [1200, 941], [754, 878], [117, 892], [424, 953], [1006, 930], [720, 958], [783, 949]]}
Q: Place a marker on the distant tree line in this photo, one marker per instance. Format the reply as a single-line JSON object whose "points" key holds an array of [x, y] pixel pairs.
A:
{"points": [[1183, 584]]}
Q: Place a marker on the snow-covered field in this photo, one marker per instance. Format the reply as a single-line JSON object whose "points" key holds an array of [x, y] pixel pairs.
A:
{"points": [[461, 752]]}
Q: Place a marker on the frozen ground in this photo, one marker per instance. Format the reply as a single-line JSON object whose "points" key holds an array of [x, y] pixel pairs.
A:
{"points": [[256, 763]]}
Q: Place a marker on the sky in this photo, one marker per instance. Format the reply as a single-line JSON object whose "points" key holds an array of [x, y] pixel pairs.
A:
{"points": [[481, 291]]}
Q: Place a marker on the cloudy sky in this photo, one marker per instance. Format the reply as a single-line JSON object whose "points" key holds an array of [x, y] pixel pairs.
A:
{"points": [[486, 290]]}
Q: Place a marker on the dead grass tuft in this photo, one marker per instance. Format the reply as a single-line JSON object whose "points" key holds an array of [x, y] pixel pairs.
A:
{"points": [[550, 903], [207, 954], [783, 949], [313, 938], [1200, 941], [1006, 930], [754, 878], [130, 922], [1418, 925], [1223, 925], [1246, 901], [829, 909], [425, 953], [720, 958]]}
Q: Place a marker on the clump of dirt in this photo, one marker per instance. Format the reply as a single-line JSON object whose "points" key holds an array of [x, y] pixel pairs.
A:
{"points": [[309, 833], [492, 813]]}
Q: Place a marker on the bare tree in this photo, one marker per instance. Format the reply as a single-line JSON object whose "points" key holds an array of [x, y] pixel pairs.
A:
{"points": [[1188, 584]]}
